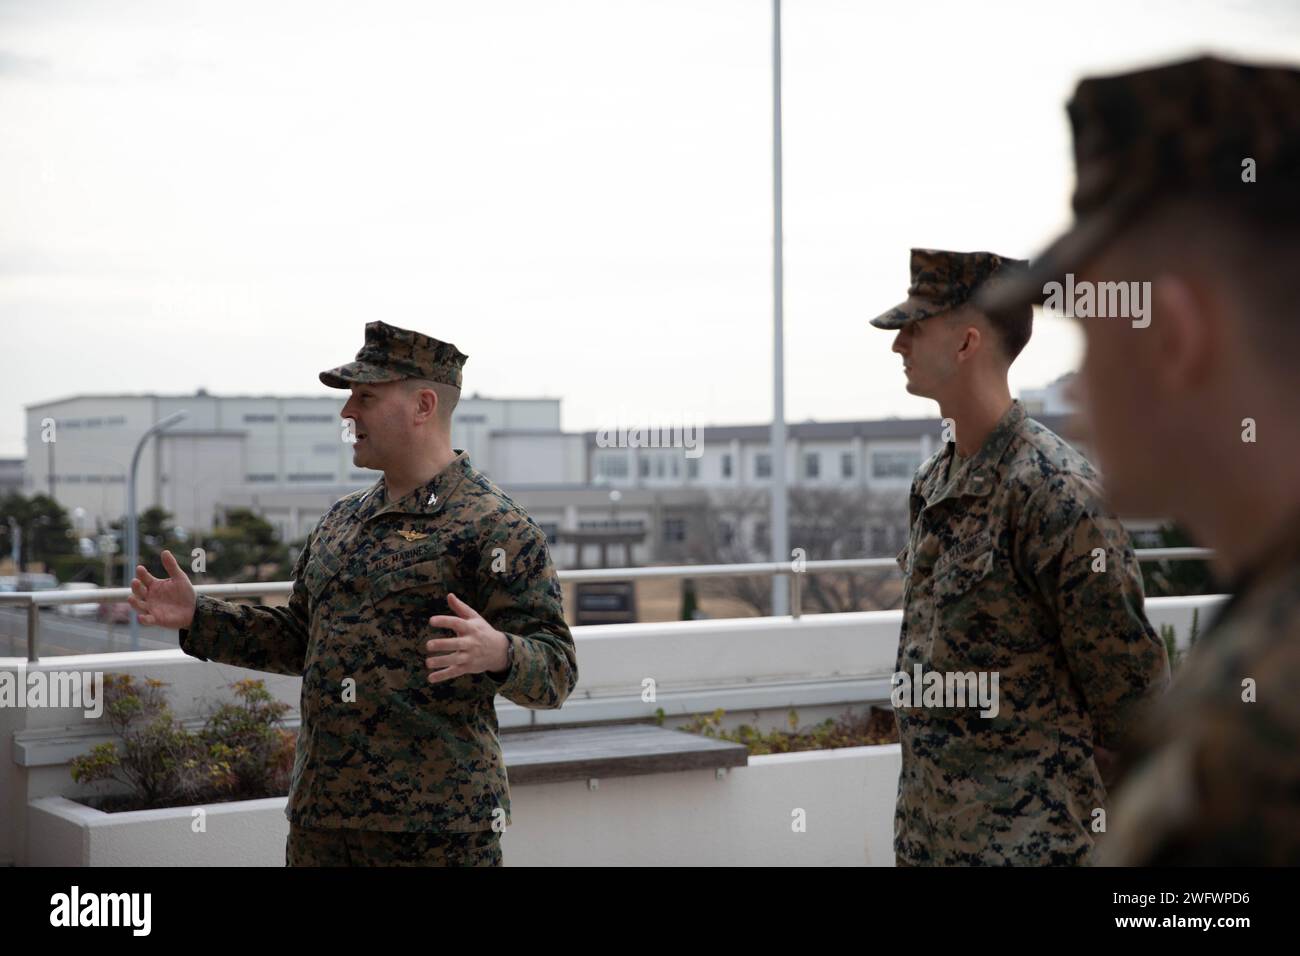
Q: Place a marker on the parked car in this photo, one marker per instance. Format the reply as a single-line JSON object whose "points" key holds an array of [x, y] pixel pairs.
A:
{"points": [[115, 612], [78, 610], [35, 581], [8, 583]]}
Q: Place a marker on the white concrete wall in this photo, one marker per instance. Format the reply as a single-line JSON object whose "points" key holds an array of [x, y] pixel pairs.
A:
{"points": [[699, 665], [820, 808], [745, 818]]}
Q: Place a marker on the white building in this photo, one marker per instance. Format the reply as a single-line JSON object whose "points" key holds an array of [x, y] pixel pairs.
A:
{"points": [[286, 457], [603, 498]]}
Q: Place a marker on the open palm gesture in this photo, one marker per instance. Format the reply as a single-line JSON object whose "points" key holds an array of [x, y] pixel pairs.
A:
{"points": [[165, 602]]}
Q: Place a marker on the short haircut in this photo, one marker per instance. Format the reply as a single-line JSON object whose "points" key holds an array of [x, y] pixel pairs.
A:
{"points": [[1011, 327], [448, 395], [1250, 240]]}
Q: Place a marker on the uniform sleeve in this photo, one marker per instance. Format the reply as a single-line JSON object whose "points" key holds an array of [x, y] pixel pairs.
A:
{"points": [[1112, 651], [520, 596], [258, 637]]}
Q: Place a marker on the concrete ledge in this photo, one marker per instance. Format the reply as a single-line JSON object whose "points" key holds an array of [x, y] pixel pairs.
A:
{"points": [[626, 750], [820, 807]]}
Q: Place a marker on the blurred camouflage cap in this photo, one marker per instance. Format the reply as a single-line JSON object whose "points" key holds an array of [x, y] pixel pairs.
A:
{"points": [[391, 354], [1182, 129], [944, 280]]}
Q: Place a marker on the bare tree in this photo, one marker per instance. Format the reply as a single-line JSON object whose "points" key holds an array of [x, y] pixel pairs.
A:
{"points": [[825, 523], [736, 533]]}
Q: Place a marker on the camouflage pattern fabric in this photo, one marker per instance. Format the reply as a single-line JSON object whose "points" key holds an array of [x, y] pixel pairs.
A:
{"points": [[380, 748], [942, 281], [1214, 779], [310, 847], [1178, 129], [1000, 578], [390, 354]]}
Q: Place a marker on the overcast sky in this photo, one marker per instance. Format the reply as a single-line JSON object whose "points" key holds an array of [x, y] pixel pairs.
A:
{"points": [[576, 193]]}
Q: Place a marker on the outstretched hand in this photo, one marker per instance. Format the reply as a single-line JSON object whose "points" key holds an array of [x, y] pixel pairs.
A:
{"points": [[164, 602]]}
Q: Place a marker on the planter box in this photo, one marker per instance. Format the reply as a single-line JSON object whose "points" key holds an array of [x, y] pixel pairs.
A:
{"points": [[742, 817], [738, 817], [62, 832]]}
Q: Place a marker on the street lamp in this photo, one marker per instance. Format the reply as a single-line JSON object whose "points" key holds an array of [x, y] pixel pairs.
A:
{"points": [[132, 522], [780, 494]]}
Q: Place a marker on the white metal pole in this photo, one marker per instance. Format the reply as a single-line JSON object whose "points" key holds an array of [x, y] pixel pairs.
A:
{"points": [[780, 492], [132, 522]]}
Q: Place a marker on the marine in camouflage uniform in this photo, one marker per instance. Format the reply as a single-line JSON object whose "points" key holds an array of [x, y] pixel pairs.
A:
{"points": [[1213, 778], [382, 753], [1013, 567]]}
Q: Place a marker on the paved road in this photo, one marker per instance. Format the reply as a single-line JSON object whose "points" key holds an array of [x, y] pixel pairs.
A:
{"points": [[64, 634]]}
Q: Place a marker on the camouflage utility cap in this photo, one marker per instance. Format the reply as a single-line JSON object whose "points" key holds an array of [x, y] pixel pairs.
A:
{"points": [[391, 354], [942, 281], [1186, 129]]}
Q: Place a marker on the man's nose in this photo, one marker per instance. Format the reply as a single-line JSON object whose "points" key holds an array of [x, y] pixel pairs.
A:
{"points": [[898, 345]]}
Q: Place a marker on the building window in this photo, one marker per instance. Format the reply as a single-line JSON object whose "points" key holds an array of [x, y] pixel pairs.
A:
{"points": [[606, 524], [469, 419], [879, 540], [254, 419], [895, 464], [611, 466], [255, 478], [311, 476], [674, 530], [726, 533], [846, 465], [115, 420], [692, 468], [726, 465], [94, 422], [362, 476], [643, 469], [763, 465], [760, 536], [314, 419], [812, 465]]}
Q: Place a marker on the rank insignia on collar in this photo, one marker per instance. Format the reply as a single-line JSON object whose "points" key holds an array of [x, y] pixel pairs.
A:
{"points": [[433, 499], [412, 535]]}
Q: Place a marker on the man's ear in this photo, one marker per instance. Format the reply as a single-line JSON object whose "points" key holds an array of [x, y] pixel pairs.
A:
{"points": [[1185, 331], [426, 405], [972, 339]]}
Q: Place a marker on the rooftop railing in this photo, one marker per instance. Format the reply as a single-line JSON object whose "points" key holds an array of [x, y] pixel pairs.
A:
{"points": [[33, 601]]}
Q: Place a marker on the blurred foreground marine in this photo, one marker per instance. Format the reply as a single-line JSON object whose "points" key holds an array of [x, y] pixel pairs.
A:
{"points": [[398, 759], [1188, 199], [1022, 595]]}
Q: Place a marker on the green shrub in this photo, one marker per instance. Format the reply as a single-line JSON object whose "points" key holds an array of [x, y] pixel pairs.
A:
{"points": [[877, 726], [242, 752]]}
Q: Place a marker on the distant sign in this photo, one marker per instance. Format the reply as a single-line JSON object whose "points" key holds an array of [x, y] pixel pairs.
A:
{"points": [[605, 602]]}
